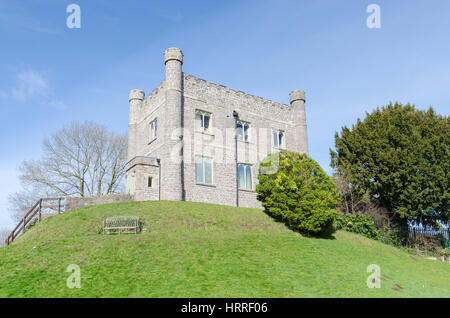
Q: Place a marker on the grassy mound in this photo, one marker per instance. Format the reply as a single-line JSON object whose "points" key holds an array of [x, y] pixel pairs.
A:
{"points": [[204, 250]]}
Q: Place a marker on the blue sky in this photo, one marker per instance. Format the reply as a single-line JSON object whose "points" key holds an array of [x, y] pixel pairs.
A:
{"points": [[51, 75]]}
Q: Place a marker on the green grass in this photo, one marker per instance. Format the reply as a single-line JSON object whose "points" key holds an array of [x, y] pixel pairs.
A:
{"points": [[205, 250]]}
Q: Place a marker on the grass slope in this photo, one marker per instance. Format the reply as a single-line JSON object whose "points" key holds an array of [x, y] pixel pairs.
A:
{"points": [[205, 250]]}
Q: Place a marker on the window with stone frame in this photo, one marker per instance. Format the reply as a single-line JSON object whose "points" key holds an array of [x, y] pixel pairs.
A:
{"points": [[202, 121], [153, 129], [242, 130], [150, 182], [278, 140], [245, 180], [203, 170]]}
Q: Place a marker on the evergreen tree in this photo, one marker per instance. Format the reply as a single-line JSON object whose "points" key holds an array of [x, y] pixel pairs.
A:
{"points": [[400, 156], [297, 192]]}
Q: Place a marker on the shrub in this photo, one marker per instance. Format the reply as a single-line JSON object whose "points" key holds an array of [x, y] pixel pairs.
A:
{"points": [[297, 192], [360, 224], [358, 204]]}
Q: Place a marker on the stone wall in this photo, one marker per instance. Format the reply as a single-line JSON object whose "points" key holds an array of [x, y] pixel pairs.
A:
{"points": [[73, 203], [140, 169]]}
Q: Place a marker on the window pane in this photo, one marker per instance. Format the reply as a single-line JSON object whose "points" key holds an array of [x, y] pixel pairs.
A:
{"points": [[198, 121], [156, 128], [248, 175], [241, 174], [150, 179], [198, 169], [208, 171], [239, 131], [153, 129], [206, 121], [275, 139], [281, 137], [246, 132]]}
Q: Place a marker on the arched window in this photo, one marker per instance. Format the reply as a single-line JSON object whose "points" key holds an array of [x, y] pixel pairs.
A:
{"points": [[242, 130], [202, 121], [245, 176], [278, 139]]}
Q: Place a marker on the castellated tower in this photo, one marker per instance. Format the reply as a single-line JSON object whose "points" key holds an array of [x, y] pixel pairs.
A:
{"points": [[194, 140], [297, 99], [136, 98], [173, 59]]}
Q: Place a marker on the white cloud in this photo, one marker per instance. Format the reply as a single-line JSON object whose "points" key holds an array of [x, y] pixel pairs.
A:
{"points": [[30, 84]]}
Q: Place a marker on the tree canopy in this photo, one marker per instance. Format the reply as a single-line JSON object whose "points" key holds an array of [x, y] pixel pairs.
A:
{"points": [[400, 156], [78, 160]]}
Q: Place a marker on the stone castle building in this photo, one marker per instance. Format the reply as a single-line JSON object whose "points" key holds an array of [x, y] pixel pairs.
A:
{"points": [[198, 141]]}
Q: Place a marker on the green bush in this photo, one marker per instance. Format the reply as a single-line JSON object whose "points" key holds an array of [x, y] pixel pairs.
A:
{"points": [[360, 224], [294, 189]]}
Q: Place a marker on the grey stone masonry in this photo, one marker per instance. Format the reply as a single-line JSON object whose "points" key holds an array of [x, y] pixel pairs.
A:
{"points": [[73, 203], [191, 139]]}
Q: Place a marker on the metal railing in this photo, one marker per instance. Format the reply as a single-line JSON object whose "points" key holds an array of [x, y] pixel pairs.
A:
{"points": [[427, 236]]}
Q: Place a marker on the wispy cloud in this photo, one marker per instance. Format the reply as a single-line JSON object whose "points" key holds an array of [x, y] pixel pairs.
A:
{"points": [[33, 85], [30, 84]]}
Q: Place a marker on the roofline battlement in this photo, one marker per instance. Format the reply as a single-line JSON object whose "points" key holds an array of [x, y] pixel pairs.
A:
{"points": [[155, 92], [239, 94]]}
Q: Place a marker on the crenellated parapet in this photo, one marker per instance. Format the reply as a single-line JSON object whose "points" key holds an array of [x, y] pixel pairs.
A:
{"points": [[204, 89], [156, 93], [136, 94]]}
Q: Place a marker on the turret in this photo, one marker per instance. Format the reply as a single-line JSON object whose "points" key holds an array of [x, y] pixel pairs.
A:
{"points": [[173, 165], [136, 98], [173, 58], [297, 99]]}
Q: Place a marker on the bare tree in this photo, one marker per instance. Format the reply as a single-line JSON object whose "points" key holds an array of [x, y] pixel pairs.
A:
{"points": [[351, 202], [20, 202], [3, 235], [79, 160]]}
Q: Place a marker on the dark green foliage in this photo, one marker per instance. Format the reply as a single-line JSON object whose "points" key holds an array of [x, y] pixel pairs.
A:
{"points": [[361, 224], [298, 193], [400, 156]]}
